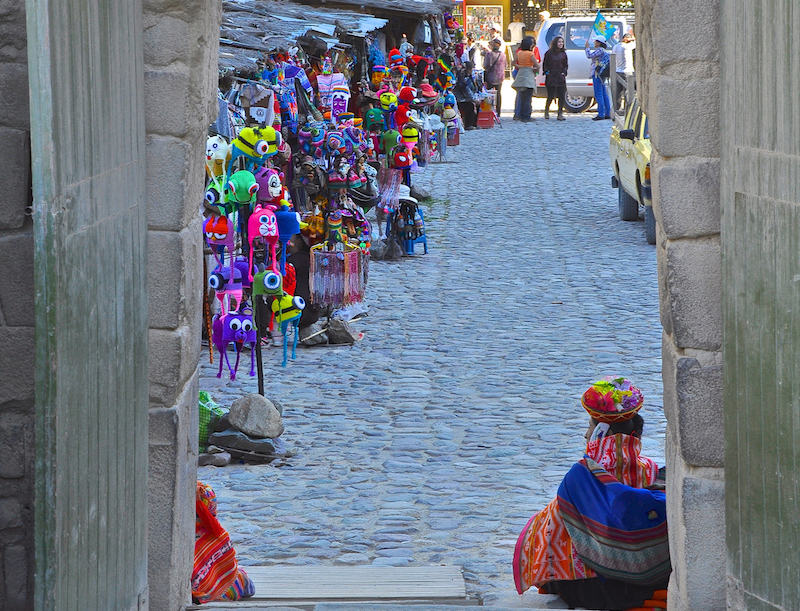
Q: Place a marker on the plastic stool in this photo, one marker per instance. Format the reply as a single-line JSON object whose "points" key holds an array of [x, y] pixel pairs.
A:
{"points": [[423, 239]]}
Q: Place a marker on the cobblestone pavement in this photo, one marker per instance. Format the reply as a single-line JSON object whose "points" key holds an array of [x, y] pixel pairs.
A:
{"points": [[434, 439]]}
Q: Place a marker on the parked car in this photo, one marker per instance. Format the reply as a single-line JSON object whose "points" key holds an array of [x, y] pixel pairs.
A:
{"points": [[629, 150], [575, 27]]}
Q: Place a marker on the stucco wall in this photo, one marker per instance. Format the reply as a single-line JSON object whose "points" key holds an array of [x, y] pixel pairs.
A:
{"points": [[16, 317], [181, 42], [678, 74]]}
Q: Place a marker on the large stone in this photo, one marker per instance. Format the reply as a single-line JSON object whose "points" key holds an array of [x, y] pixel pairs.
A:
{"points": [[167, 97], [214, 459], [689, 271], [15, 560], [232, 439], [686, 196], [693, 404], [341, 332], [256, 416], [17, 365], [696, 514], [165, 40], [172, 361], [14, 106], [680, 41], [676, 103], [10, 514]]}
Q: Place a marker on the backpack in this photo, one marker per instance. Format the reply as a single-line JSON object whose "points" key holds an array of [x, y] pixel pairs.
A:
{"points": [[603, 70]]}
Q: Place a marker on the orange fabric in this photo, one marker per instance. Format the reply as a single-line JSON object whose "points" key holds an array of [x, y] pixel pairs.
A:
{"points": [[545, 552], [525, 59], [215, 566]]}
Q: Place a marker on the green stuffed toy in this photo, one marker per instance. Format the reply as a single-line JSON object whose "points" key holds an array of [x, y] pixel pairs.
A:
{"points": [[241, 189]]}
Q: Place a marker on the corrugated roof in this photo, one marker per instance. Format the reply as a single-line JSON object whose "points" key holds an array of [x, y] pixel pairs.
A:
{"points": [[409, 7], [253, 28]]}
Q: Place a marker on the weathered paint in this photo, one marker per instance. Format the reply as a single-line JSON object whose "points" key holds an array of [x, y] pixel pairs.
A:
{"points": [[87, 133], [760, 197]]}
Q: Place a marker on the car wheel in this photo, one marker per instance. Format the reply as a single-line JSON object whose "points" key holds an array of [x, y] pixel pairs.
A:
{"points": [[577, 103], [649, 225], [628, 206]]}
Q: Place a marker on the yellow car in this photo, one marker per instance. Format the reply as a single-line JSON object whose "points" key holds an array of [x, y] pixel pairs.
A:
{"points": [[629, 150]]}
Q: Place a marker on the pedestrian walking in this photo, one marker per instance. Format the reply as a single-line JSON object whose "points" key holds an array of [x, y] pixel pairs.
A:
{"points": [[494, 68], [555, 66], [600, 61], [466, 95], [623, 52], [525, 81]]}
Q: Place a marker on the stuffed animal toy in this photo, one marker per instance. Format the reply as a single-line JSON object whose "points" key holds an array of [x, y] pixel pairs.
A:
{"points": [[449, 100], [401, 116], [288, 225], [374, 120], [212, 202], [236, 328], [304, 139], [378, 74], [335, 143], [401, 158], [263, 226], [219, 235], [287, 311], [318, 141], [255, 144], [410, 136], [389, 140], [241, 189], [388, 101], [406, 95], [395, 58], [218, 154], [228, 288], [271, 191]]}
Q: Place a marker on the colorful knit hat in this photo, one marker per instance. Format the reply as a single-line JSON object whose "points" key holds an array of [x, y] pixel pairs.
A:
{"points": [[612, 400]]}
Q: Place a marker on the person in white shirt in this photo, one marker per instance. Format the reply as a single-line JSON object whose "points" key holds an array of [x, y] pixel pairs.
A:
{"points": [[516, 32], [623, 52]]}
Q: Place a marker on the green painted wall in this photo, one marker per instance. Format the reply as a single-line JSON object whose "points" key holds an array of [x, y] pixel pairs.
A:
{"points": [[760, 197], [87, 134]]}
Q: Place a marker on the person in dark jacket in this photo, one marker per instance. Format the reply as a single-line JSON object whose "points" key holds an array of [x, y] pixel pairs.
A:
{"points": [[555, 66]]}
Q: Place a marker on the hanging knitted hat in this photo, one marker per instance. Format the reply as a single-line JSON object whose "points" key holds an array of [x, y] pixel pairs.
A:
{"points": [[612, 400]]}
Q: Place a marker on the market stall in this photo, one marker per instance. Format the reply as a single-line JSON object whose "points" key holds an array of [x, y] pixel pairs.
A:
{"points": [[325, 117]]}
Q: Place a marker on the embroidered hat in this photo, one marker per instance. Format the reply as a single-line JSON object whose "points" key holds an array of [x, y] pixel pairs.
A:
{"points": [[612, 400]]}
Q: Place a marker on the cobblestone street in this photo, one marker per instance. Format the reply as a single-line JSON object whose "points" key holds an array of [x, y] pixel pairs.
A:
{"points": [[436, 437]]}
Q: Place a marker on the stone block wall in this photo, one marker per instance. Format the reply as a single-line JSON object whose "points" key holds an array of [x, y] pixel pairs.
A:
{"points": [[181, 42], [16, 318], [678, 69]]}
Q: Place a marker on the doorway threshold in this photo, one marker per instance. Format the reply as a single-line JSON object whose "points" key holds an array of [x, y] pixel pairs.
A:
{"points": [[305, 587]]}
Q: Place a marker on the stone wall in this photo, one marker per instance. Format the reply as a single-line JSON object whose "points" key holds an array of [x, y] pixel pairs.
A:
{"points": [[16, 318], [678, 70], [181, 41]]}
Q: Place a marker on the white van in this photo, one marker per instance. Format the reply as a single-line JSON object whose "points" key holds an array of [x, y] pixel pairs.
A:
{"points": [[575, 26]]}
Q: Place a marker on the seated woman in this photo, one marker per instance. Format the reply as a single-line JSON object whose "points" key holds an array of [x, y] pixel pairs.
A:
{"points": [[602, 542]]}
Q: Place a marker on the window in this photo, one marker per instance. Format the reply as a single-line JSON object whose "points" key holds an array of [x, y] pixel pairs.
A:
{"points": [[557, 29], [633, 113], [578, 32], [646, 132]]}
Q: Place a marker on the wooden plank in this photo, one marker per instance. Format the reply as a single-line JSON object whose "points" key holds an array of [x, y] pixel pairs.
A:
{"points": [[331, 583], [306, 586]]}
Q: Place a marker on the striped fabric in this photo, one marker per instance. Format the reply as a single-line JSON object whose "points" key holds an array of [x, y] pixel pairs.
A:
{"points": [[216, 573], [545, 550], [617, 530]]}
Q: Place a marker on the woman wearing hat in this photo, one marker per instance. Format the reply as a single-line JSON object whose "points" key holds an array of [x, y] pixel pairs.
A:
{"points": [[600, 60], [602, 542]]}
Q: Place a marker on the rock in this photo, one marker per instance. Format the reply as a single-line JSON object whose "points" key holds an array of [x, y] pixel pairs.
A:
{"points": [[420, 193], [278, 406], [236, 440], [256, 416], [222, 424], [216, 459], [341, 332], [306, 332], [377, 250]]}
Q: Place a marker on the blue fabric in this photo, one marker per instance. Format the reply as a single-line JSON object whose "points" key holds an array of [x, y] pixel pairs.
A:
{"points": [[523, 105], [601, 95], [617, 530]]}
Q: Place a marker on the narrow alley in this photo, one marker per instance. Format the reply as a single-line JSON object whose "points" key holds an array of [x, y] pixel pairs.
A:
{"points": [[459, 412]]}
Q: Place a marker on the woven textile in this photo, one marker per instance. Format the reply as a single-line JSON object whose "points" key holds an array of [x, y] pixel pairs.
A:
{"points": [[618, 530], [544, 550], [216, 573]]}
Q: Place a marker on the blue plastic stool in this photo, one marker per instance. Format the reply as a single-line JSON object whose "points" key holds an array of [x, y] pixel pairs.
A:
{"points": [[423, 239]]}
